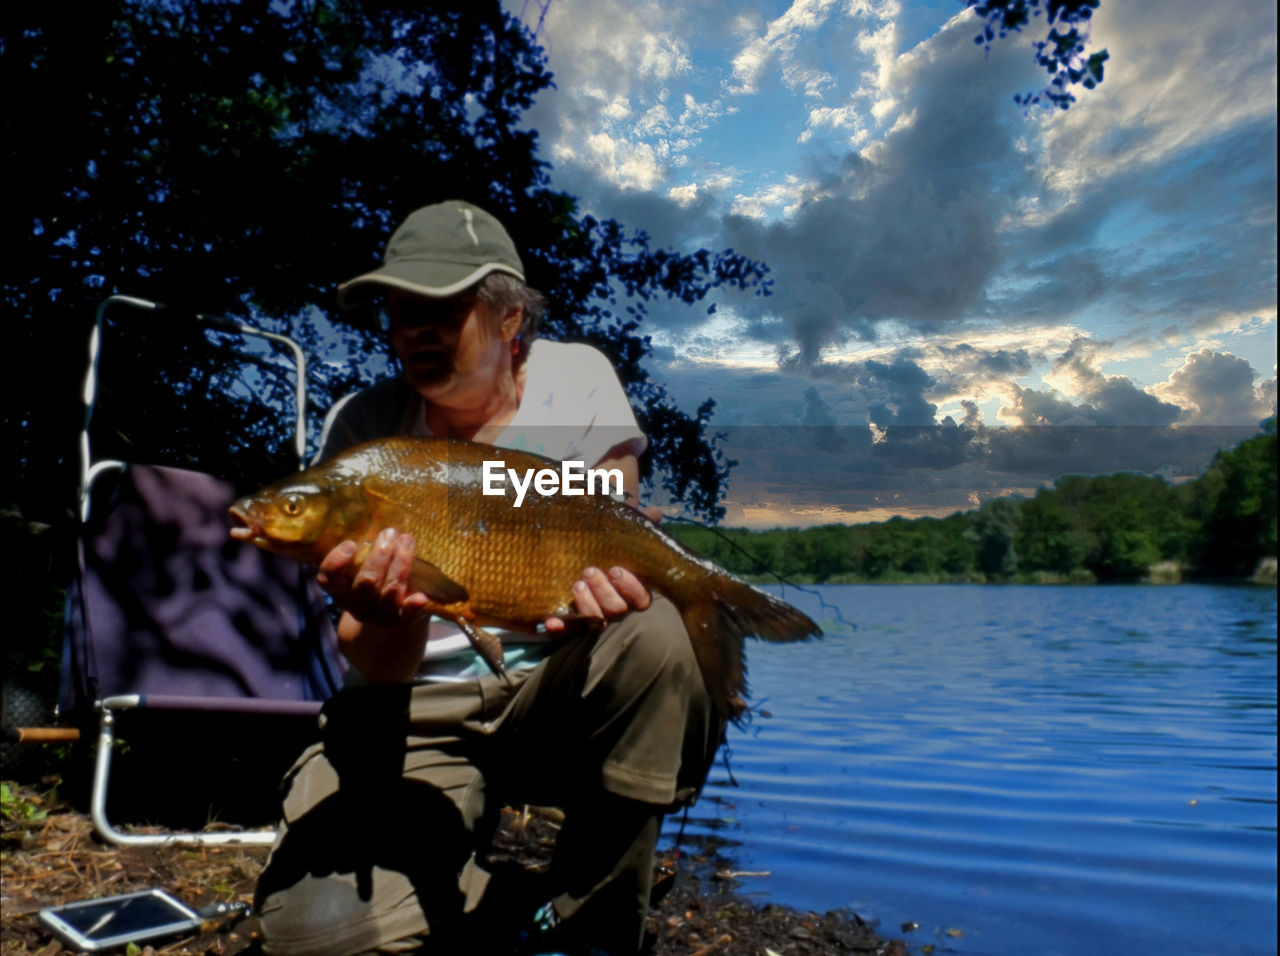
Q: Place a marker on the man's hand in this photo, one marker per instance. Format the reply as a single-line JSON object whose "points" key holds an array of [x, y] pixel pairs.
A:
{"points": [[377, 590], [605, 596], [376, 631]]}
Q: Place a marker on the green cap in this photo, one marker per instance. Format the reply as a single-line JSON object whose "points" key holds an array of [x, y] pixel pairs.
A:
{"points": [[439, 251]]}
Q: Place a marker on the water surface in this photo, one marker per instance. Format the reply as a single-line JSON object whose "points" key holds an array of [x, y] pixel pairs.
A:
{"points": [[1037, 769]]}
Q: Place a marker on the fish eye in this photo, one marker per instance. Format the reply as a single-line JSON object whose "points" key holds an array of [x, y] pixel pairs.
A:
{"points": [[293, 505]]}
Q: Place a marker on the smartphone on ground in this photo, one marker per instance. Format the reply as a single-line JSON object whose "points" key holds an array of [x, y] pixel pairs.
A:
{"points": [[115, 921]]}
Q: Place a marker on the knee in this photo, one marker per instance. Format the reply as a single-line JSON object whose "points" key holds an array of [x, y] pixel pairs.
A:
{"points": [[301, 916], [654, 644], [319, 916], [647, 652]]}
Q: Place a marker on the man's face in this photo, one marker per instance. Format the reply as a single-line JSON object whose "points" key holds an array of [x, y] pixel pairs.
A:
{"points": [[449, 348]]}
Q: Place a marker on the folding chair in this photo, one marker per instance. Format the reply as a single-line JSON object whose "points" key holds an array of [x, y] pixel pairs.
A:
{"points": [[167, 614]]}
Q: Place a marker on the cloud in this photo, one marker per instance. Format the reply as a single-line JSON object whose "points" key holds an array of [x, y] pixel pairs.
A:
{"points": [[779, 42], [816, 411], [836, 117], [1107, 399], [862, 441], [957, 212], [1156, 193], [766, 201], [953, 206], [588, 42], [908, 228], [817, 473], [626, 164], [1188, 239], [895, 393], [938, 256], [613, 63], [1180, 75], [965, 360], [1217, 388]]}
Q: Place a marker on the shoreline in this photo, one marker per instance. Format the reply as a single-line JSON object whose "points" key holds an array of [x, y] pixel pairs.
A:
{"points": [[51, 855]]}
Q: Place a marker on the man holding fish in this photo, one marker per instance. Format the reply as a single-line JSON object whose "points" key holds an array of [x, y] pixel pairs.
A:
{"points": [[385, 822]]}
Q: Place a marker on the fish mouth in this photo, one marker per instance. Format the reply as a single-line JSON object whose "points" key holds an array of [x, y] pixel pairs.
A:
{"points": [[247, 529]]}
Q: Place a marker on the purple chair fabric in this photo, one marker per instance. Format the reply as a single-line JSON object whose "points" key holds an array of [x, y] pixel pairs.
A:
{"points": [[167, 605]]}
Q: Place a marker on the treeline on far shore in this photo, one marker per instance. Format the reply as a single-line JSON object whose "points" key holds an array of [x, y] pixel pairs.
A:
{"points": [[1121, 527]]}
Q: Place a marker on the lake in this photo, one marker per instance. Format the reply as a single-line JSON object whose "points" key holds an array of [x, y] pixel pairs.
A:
{"points": [[1019, 770]]}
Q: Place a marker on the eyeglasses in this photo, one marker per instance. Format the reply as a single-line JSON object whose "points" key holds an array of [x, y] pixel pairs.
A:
{"points": [[407, 311]]}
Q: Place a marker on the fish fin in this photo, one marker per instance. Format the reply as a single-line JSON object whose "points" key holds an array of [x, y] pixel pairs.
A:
{"points": [[487, 646], [719, 653], [717, 622], [442, 589], [377, 487], [424, 575]]}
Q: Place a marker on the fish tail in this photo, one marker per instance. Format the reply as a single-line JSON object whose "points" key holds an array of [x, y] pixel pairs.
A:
{"points": [[718, 618]]}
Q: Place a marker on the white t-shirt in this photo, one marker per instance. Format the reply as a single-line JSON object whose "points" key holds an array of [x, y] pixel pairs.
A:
{"points": [[573, 408]]}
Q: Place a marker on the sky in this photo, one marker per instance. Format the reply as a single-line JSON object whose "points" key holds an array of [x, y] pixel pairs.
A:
{"points": [[969, 300]]}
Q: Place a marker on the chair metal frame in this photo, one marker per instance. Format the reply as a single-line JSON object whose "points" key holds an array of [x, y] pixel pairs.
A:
{"points": [[108, 706]]}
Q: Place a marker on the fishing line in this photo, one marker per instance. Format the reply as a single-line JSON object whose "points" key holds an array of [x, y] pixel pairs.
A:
{"points": [[761, 568], [726, 753]]}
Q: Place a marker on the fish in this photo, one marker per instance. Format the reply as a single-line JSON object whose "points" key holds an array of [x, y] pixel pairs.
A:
{"points": [[482, 561]]}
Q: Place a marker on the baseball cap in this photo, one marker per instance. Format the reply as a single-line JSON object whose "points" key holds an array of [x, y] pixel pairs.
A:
{"points": [[438, 251]]}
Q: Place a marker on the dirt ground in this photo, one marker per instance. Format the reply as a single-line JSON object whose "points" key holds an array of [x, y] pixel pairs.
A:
{"points": [[51, 855]]}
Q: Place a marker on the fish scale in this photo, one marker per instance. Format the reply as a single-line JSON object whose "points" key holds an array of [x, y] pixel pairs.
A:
{"points": [[483, 561]]}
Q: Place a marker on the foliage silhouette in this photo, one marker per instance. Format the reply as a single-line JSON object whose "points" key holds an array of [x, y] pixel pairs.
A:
{"points": [[1061, 53], [245, 160]]}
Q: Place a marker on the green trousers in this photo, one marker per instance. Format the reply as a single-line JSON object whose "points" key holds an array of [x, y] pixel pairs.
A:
{"points": [[386, 820]]}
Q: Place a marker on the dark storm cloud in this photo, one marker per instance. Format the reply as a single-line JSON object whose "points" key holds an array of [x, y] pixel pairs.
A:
{"points": [[816, 411], [1115, 401], [1043, 454], [894, 394], [909, 231], [948, 467], [1047, 290], [1225, 264], [964, 361], [910, 234], [1119, 402], [968, 369], [1163, 226], [805, 446]]}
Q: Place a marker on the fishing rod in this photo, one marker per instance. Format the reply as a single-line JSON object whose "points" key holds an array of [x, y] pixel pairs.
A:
{"points": [[761, 568]]}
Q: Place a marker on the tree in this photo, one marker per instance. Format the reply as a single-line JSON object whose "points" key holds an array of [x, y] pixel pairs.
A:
{"points": [[1115, 527], [1237, 496], [992, 532], [245, 160], [1061, 53], [1050, 537]]}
